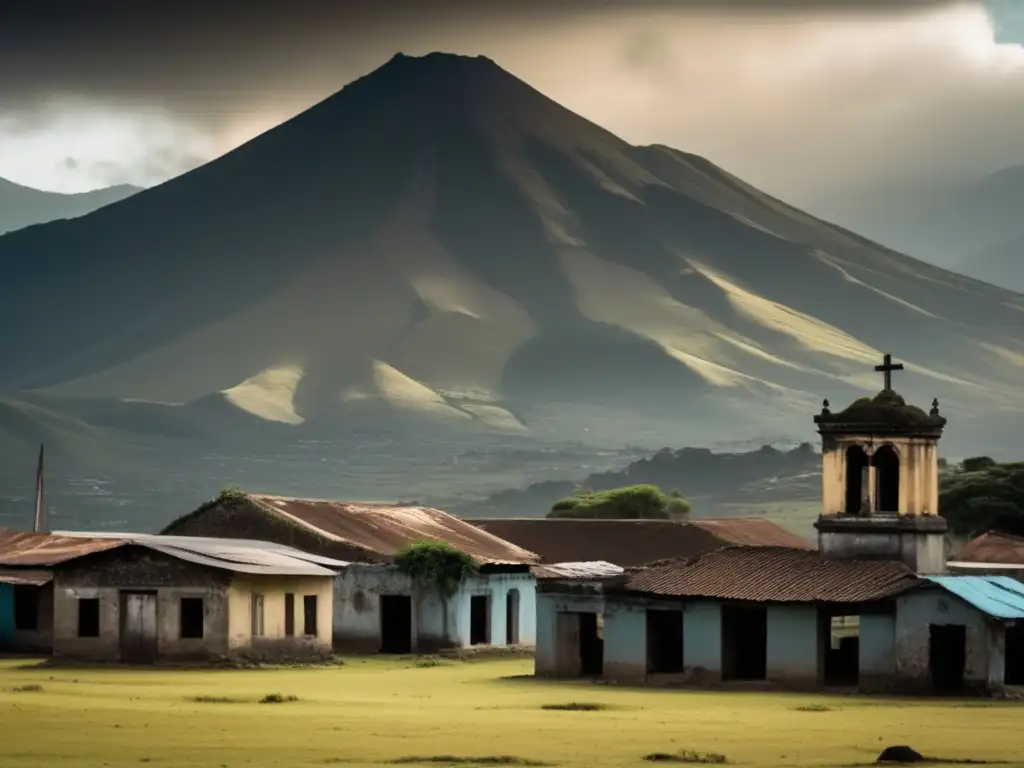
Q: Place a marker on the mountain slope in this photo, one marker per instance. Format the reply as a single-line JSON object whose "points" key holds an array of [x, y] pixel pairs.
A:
{"points": [[22, 206], [1001, 264], [439, 243]]}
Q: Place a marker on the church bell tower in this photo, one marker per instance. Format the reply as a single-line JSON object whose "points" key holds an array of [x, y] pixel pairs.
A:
{"points": [[880, 480]]}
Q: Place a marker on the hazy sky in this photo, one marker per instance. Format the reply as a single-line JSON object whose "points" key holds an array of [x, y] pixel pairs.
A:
{"points": [[812, 100]]}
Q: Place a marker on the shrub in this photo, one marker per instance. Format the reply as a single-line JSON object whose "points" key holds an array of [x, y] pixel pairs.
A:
{"points": [[633, 502], [436, 565]]}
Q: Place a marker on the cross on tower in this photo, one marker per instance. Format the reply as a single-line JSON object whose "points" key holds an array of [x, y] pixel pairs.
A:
{"points": [[887, 367]]}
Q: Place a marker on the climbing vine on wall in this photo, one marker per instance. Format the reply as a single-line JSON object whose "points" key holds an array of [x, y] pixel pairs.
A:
{"points": [[436, 565]]}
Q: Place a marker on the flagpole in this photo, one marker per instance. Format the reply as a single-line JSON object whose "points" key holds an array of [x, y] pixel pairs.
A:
{"points": [[40, 516]]}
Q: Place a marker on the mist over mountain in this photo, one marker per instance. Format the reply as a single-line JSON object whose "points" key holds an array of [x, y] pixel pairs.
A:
{"points": [[975, 229], [441, 251], [22, 206]]}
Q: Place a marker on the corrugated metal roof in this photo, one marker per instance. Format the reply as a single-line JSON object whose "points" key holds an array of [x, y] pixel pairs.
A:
{"points": [[27, 549], [634, 542], [238, 555], [992, 547], [579, 571], [212, 545], [385, 530], [26, 578], [773, 574], [999, 596]]}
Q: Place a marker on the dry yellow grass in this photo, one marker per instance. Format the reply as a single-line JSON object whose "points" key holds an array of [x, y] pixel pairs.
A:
{"points": [[371, 712]]}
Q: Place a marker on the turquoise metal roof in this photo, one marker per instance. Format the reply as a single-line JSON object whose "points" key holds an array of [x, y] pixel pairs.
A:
{"points": [[998, 596]]}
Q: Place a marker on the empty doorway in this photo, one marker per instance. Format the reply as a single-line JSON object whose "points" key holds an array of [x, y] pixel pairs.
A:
{"points": [[664, 642], [512, 617], [947, 656], [856, 480], [591, 648], [1014, 674], [744, 642], [395, 624], [842, 650], [138, 627], [480, 620]]}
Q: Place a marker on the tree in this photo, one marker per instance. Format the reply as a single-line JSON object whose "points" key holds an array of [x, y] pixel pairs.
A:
{"points": [[982, 495], [436, 566], [634, 502]]}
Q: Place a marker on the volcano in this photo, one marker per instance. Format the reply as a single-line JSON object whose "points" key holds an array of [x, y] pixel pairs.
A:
{"points": [[440, 244]]}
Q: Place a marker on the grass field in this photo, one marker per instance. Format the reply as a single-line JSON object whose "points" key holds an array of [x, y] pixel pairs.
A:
{"points": [[373, 712]]}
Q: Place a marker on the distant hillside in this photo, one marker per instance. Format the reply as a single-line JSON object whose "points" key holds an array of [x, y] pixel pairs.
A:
{"points": [[710, 481], [23, 206], [439, 247], [1001, 264]]}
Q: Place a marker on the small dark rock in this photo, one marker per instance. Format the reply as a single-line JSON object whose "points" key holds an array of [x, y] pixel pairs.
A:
{"points": [[900, 754]]}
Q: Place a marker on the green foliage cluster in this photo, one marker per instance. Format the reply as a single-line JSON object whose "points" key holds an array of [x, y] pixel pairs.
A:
{"points": [[981, 495], [436, 565], [634, 502], [231, 493]]}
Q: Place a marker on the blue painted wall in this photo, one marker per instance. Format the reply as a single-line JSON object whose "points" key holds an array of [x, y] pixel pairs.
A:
{"points": [[357, 619], [6, 616], [702, 638], [548, 606], [877, 648], [625, 642], [916, 611], [794, 645]]}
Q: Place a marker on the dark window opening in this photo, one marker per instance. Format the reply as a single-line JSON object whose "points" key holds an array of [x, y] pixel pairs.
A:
{"points": [[887, 479], [512, 617], [289, 614], [309, 615], [480, 620], [26, 608], [89, 617], [947, 656], [664, 642], [1014, 674], [856, 480], [744, 642], [395, 624], [842, 649], [591, 644], [192, 618]]}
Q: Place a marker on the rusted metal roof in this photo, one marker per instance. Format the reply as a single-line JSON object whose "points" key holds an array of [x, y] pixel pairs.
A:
{"points": [[634, 542], [993, 547], [577, 571], [773, 574], [238, 555], [386, 529], [34, 550], [26, 578]]}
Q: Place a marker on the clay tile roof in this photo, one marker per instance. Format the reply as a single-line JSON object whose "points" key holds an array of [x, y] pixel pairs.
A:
{"points": [[772, 574], [386, 529], [634, 542], [992, 547], [34, 550]]}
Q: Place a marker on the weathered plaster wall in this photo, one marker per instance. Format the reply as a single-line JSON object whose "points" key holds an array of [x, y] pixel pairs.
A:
{"points": [[549, 660], [498, 586], [105, 575], [702, 640], [625, 641], [38, 640], [915, 612], [794, 645], [357, 621], [877, 650], [274, 641]]}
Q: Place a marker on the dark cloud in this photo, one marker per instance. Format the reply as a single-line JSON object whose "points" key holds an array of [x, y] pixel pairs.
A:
{"points": [[205, 59]]}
